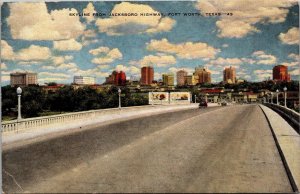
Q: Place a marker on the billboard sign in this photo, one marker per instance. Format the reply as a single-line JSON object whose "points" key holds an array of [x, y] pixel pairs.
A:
{"points": [[180, 97], [158, 97]]}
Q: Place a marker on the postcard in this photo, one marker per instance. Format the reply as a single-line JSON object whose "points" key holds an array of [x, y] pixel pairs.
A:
{"points": [[150, 96]]}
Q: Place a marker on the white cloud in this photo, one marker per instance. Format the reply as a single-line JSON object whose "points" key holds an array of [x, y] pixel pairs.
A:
{"points": [[107, 55], [294, 56], [291, 64], [226, 61], [29, 62], [3, 66], [186, 50], [246, 14], [89, 9], [48, 67], [225, 45], [263, 58], [175, 69], [290, 37], [61, 59], [159, 61], [33, 52], [67, 45], [67, 66], [6, 51], [37, 24], [263, 74], [294, 72], [119, 25], [51, 74]]}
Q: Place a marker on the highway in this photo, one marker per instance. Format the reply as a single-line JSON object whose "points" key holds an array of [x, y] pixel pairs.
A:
{"points": [[219, 149]]}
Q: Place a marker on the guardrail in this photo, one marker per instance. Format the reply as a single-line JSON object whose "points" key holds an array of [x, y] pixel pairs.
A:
{"points": [[30, 123], [290, 115]]}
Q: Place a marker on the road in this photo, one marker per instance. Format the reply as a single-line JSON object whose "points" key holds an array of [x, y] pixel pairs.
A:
{"points": [[222, 149]]}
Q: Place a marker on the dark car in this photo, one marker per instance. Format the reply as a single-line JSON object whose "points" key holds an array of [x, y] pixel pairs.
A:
{"points": [[202, 104]]}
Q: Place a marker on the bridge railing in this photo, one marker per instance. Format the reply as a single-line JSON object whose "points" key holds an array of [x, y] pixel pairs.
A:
{"points": [[60, 119], [292, 116]]}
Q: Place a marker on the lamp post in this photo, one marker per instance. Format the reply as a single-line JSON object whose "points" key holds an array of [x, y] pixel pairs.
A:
{"points": [[152, 98], [284, 89], [19, 92], [195, 99], [271, 97], [277, 92], [119, 91]]}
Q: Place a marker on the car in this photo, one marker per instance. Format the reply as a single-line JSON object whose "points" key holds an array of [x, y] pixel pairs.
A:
{"points": [[202, 104]]}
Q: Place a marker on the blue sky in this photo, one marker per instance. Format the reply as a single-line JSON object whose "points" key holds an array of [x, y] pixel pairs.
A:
{"points": [[44, 38]]}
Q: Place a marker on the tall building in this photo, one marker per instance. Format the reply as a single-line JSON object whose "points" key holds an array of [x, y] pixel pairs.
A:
{"points": [[180, 77], [202, 75], [84, 80], [190, 80], [147, 75], [280, 73], [116, 78], [229, 75], [168, 79], [23, 79]]}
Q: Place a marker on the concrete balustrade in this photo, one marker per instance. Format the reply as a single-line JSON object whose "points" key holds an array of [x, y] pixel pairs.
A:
{"points": [[292, 116], [39, 122]]}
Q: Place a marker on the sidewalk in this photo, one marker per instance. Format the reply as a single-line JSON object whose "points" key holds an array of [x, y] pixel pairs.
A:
{"points": [[11, 137], [288, 140]]}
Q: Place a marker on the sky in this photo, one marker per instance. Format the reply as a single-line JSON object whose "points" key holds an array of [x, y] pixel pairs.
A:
{"points": [[56, 41]]}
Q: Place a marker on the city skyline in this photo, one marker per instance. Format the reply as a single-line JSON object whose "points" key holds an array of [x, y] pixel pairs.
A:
{"points": [[63, 46]]}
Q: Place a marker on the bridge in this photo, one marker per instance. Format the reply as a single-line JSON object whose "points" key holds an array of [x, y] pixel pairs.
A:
{"points": [[238, 148]]}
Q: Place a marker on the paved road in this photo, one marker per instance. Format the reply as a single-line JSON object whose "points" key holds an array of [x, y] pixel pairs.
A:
{"points": [[227, 149]]}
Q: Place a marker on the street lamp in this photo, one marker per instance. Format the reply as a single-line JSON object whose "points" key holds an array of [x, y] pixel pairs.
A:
{"points": [[277, 92], [19, 92], [119, 91], [152, 98], [284, 89], [271, 97]]}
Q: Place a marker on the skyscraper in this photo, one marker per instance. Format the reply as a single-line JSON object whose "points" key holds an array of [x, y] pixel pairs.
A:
{"points": [[181, 77], [280, 73], [168, 79], [229, 75], [202, 75], [147, 75]]}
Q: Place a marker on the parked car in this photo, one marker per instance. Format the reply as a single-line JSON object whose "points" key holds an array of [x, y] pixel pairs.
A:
{"points": [[202, 104]]}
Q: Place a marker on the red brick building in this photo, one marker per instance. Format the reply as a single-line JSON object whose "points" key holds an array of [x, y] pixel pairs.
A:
{"points": [[116, 78], [280, 73], [147, 75]]}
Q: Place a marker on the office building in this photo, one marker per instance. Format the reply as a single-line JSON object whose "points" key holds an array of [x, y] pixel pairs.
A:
{"points": [[202, 75], [147, 75], [168, 79], [84, 80], [229, 75], [280, 73], [180, 75], [116, 78], [23, 79], [190, 80]]}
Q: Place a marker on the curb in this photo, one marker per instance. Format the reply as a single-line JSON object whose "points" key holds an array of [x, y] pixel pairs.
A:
{"points": [[283, 159]]}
